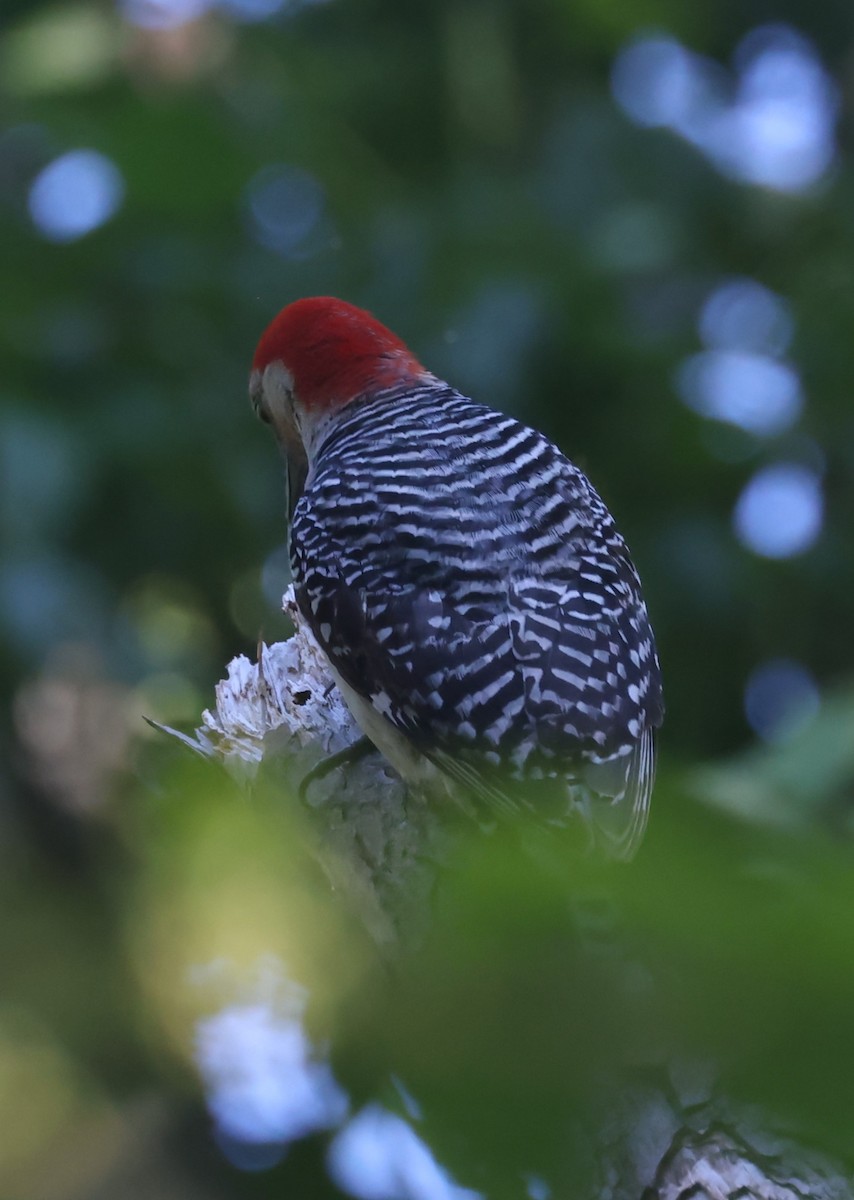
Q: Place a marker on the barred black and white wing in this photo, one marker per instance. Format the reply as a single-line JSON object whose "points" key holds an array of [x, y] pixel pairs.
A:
{"points": [[469, 585]]}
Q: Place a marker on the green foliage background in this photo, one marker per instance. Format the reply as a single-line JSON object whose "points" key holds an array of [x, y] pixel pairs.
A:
{"points": [[477, 183]]}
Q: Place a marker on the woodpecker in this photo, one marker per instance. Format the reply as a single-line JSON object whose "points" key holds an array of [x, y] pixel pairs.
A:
{"points": [[479, 610]]}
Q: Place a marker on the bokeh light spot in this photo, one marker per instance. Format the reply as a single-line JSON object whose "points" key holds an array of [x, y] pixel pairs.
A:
{"points": [[162, 14], [75, 194], [658, 83], [784, 115], [264, 1083], [780, 511], [256, 10], [751, 391], [742, 314], [780, 698], [491, 338], [285, 204], [771, 122], [378, 1156]]}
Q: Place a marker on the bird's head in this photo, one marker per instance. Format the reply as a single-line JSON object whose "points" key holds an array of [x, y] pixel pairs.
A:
{"points": [[313, 359]]}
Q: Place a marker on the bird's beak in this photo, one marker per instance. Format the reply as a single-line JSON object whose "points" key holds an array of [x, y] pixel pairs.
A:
{"points": [[296, 470], [256, 397], [285, 428]]}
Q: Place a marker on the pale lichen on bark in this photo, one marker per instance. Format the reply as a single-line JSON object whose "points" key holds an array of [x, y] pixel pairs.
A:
{"points": [[272, 722], [288, 695]]}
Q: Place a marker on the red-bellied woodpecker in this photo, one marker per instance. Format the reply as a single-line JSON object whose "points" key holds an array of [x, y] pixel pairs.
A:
{"points": [[478, 607]]}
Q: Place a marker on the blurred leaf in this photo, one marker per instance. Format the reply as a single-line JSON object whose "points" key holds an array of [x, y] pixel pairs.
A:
{"points": [[806, 779]]}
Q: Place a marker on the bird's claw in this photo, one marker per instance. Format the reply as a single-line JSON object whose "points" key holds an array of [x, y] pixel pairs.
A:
{"points": [[350, 754]]}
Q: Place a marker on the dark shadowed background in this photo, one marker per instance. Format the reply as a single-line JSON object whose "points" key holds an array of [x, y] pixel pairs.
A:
{"points": [[630, 224]]}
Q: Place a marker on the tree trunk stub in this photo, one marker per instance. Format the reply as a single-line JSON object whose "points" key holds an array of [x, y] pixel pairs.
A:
{"points": [[381, 848]]}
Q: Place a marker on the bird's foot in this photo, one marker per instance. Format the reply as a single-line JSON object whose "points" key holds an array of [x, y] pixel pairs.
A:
{"points": [[342, 758]]}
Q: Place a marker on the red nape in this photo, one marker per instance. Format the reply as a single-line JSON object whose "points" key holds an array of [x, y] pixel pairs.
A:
{"points": [[334, 351]]}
